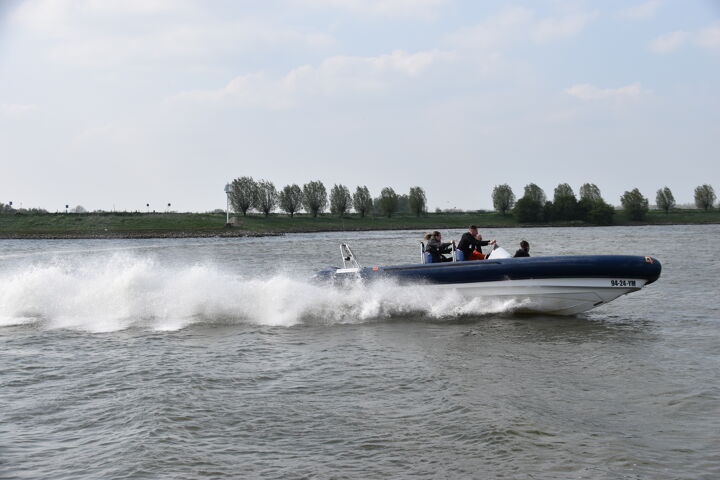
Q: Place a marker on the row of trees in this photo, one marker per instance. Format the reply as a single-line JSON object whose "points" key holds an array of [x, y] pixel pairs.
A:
{"points": [[533, 206], [246, 193], [591, 208]]}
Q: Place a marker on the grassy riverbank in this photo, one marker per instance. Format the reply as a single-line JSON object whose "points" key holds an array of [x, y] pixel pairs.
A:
{"points": [[147, 225]]}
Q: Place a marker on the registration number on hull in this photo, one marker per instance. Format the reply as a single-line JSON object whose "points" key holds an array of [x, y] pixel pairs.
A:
{"points": [[622, 283]]}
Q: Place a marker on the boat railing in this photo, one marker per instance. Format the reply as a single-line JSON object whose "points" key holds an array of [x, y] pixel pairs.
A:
{"points": [[348, 257]]}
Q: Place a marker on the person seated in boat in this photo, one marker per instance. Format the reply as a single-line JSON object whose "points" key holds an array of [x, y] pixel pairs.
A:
{"points": [[471, 244], [436, 248], [524, 250]]}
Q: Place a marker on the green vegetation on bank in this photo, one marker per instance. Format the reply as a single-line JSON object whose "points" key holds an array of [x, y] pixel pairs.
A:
{"points": [[389, 210], [209, 224]]}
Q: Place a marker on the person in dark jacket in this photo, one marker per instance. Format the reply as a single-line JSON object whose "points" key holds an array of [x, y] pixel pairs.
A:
{"points": [[436, 248], [524, 250], [471, 244]]}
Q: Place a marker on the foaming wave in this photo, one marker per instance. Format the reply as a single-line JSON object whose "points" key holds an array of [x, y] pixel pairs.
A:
{"points": [[123, 292]]}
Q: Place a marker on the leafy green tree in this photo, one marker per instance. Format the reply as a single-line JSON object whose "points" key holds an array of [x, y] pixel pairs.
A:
{"points": [[590, 191], [704, 197], [565, 205], [594, 211], [592, 208], [403, 205], [528, 210], [417, 201], [362, 201], [531, 207], [291, 198], [503, 198], [535, 193], [243, 194], [388, 202], [266, 198], [665, 200], [601, 213], [634, 204], [340, 200], [5, 208], [314, 197]]}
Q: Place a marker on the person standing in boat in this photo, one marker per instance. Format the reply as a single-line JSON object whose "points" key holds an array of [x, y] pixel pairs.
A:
{"points": [[471, 244], [436, 248], [524, 250]]}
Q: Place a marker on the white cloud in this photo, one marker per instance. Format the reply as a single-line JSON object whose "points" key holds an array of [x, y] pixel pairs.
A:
{"points": [[57, 17], [393, 8], [570, 25], [15, 110], [642, 11], [586, 91], [708, 38], [520, 24], [493, 32], [334, 75], [251, 90], [669, 42], [107, 134], [191, 43], [111, 32]]}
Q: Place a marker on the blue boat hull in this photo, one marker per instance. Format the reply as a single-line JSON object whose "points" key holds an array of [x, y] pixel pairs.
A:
{"points": [[562, 285]]}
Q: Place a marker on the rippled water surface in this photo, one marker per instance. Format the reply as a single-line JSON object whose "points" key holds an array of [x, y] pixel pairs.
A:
{"points": [[216, 358]]}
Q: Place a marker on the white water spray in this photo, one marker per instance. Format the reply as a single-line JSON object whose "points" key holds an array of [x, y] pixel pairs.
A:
{"points": [[125, 291]]}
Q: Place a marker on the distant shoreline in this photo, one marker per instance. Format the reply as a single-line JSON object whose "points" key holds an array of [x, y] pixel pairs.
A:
{"points": [[132, 235], [191, 225]]}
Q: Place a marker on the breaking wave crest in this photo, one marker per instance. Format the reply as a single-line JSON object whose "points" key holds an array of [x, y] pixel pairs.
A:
{"points": [[123, 292]]}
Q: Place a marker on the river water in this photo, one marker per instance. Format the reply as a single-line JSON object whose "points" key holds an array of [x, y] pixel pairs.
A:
{"points": [[216, 358]]}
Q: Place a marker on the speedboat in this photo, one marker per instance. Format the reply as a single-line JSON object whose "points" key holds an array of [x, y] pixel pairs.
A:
{"points": [[557, 285]]}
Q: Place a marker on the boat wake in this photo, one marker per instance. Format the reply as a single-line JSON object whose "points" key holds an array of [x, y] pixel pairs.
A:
{"points": [[122, 292]]}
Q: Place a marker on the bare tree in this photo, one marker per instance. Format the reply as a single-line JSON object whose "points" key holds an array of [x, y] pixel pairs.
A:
{"points": [[340, 200], [388, 201], [314, 197], [417, 201], [362, 201], [665, 200], [79, 209], [243, 194], [704, 196], [291, 198], [266, 198], [503, 198], [590, 192]]}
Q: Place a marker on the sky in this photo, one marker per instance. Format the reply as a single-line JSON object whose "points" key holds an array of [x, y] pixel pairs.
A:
{"points": [[114, 104]]}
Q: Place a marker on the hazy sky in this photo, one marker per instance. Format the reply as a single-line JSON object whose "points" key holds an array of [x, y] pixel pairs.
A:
{"points": [[117, 103]]}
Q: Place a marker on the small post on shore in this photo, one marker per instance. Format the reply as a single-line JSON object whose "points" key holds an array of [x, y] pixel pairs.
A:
{"points": [[228, 189]]}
